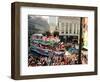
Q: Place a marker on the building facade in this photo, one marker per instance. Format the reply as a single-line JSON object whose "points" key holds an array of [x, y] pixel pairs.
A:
{"points": [[69, 28]]}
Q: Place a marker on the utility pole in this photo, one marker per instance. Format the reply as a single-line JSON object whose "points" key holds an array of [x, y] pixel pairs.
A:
{"points": [[80, 42]]}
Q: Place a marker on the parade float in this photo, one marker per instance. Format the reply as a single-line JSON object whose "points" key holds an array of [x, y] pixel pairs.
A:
{"points": [[46, 46]]}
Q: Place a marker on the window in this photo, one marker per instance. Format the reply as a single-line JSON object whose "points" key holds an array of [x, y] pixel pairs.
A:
{"points": [[70, 29], [66, 28], [62, 28], [78, 28], [74, 28], [62, 24]]}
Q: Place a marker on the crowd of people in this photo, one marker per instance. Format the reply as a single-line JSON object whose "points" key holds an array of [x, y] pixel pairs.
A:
{"points": [[53, 52], [49, 61], [55, 60]]}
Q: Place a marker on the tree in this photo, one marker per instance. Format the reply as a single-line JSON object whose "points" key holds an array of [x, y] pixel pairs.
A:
{"points": [[56, 34], [48, 33], [44, 34]]}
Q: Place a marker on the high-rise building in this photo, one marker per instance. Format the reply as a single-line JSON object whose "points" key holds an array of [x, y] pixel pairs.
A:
{"points": [[53, 20]]}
